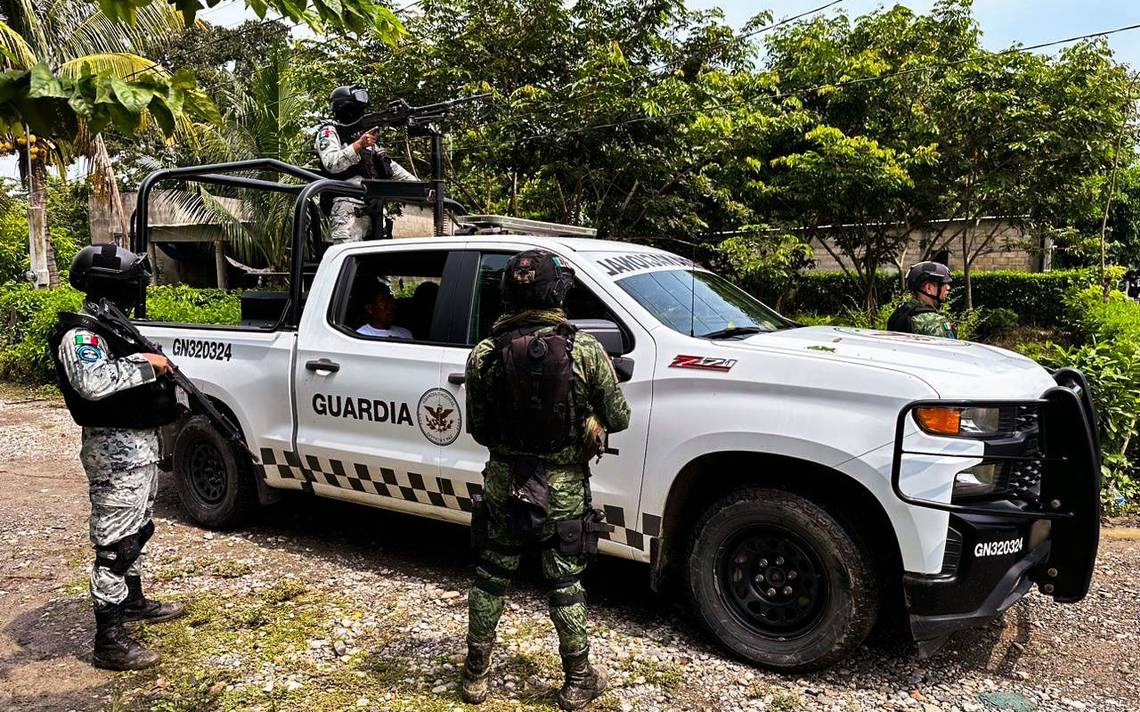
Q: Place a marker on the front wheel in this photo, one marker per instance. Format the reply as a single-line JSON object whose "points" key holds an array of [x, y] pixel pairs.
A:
{"points": [[215, 484], [779, 581]]}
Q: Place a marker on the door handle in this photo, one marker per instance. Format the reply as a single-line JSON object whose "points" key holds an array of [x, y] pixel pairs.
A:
{"points": [[457, 379], [323, 364]]}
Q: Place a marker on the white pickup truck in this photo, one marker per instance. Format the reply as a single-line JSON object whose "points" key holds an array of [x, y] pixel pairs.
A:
{"points": [[801, 481]]}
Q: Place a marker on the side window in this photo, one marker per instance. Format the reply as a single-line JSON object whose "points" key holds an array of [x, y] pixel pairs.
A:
{"points": [[389, 295], [486, 306]]}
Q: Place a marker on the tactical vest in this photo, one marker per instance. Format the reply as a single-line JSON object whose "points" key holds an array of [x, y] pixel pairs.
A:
{"points": [[900, 319], [530, 381], [147, 406]]}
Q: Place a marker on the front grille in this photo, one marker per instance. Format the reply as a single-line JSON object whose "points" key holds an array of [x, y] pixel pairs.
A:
{"points": [[1022, 478], [953, 553], [1019, 419]]}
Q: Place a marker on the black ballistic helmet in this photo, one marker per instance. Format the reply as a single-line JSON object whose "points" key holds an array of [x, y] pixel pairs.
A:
{"points": [[348, 103], [110, 272], [535, 279], [924, 272]]}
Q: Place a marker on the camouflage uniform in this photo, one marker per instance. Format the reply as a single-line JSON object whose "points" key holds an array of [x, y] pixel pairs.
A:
{"points": [[121, 464], [914, 317], [595, 386], [348, 222]]}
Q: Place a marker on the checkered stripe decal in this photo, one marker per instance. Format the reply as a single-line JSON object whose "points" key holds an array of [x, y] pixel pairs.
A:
{"points": [[414, 487], [379, 481]]}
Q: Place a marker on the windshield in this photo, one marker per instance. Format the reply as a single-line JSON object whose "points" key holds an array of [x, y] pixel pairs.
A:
{"points": [[701, 303]]}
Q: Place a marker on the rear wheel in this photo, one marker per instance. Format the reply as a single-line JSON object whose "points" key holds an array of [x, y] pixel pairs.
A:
{"points": [[779, 581], [215, 483]]}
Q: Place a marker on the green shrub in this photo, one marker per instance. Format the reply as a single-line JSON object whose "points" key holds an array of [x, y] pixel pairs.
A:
{"points": [[29, 314], [1037, 298], [188, 305], [1107, 351]]}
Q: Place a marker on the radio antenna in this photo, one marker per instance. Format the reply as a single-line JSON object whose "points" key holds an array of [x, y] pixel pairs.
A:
{"points": [[692, 289]]}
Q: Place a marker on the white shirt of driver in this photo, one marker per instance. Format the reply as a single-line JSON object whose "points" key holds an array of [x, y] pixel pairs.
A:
{"points": [[394, 332]]}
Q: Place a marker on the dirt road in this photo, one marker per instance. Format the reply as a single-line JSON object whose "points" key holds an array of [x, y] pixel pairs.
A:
{"points": [[326, 606]]}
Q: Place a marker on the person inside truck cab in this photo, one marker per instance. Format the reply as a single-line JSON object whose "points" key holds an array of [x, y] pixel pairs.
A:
{"points": [[381, 309]]}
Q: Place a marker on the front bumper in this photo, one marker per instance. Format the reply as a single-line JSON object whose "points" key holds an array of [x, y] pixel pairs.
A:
{"points": [[996, 550]]}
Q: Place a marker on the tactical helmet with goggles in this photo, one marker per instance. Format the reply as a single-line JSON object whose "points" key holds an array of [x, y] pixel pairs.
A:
{"points": [[535, 279], [924, 272], [110, 272], [348, 103]]}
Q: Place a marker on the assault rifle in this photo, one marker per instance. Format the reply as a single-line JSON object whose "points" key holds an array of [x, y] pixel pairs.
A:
{"points": [[110, 316], [401, 114]]}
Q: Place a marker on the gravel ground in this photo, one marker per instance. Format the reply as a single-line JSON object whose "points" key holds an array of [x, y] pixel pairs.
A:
{"points": [[321, 606]]}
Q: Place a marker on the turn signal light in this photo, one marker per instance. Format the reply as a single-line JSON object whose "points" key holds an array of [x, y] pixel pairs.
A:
{"points": [[939, 420]]}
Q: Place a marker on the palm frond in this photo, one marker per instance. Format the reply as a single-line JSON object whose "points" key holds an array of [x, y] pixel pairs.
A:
{"points": [[119, 64], [21, 54]]}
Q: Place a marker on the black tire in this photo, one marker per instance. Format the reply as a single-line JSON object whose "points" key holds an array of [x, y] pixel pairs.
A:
{"points": [[215, 484], [756, 541]]}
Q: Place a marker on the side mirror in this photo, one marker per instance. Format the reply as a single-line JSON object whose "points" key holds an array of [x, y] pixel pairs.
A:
{"points": [[606, 332], [623, 366]]}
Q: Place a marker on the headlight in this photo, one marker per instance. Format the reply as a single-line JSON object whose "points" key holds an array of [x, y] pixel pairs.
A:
{"points": [[959, 422], [978, 481]]}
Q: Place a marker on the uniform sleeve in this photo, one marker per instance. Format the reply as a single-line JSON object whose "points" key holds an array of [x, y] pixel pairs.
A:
{"points": [[401, 173], [476, 389], [609, 403], [335, 157], [932, 324], [94, 373]]}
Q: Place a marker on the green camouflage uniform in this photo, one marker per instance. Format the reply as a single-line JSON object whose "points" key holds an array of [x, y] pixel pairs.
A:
{"points": [[928, 322], [596, 389]]}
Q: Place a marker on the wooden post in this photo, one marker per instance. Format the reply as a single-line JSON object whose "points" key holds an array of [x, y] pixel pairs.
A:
{"points": [[220, 262]]}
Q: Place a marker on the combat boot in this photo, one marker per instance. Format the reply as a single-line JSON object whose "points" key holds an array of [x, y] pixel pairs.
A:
{"points": [[138, 607], [584, 682], [114, 649], [476, 672]]}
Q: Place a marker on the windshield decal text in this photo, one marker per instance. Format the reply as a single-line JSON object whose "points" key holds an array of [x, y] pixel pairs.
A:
{"points": [[622, 264]]}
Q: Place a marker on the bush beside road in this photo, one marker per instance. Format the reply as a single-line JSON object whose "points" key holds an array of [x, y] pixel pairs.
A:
{"points": [[327, 606]]}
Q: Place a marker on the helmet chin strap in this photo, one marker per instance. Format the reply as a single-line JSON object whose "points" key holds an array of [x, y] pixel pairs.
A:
{"points": [[936, 297]]}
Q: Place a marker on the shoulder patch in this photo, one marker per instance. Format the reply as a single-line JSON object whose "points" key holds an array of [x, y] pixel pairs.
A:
{"points": [[88, 353]]}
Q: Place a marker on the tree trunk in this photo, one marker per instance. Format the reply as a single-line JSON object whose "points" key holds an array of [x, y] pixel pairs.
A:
{"points": [[38, 248], [107, 188]]}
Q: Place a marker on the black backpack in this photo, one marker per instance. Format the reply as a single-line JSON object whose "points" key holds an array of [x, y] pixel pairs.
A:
{"points": [[531, 387]]}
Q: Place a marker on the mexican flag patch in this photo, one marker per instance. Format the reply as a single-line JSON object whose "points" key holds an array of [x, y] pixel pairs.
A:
{"points": [[81, 339]]}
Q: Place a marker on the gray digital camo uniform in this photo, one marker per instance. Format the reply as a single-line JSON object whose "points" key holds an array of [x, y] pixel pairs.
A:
{"points": [[121, 463], [346, 218]]}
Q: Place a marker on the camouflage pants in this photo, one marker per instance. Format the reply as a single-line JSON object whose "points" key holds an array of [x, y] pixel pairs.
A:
{"points": [[344, 223], [567, 501], [121, 505]]}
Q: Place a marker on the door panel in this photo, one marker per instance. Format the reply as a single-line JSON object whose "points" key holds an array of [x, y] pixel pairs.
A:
{"points": [[616, 480]]}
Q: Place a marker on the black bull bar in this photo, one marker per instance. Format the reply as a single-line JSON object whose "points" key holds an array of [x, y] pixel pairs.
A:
{"points": [[1070, 460]]}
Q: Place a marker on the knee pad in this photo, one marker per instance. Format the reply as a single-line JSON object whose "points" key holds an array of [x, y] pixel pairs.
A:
{"points": [[146, 533], [119, 556], [565, 592]]}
